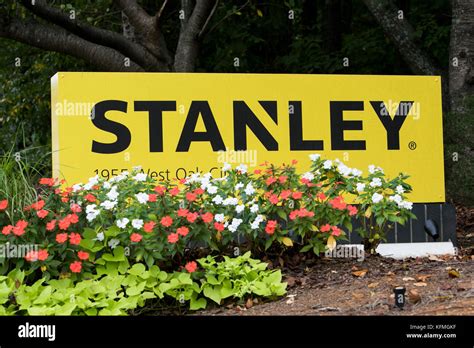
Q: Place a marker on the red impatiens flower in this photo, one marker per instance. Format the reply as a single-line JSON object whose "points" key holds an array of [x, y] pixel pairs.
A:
{"points": [[38, 205], [166, 221], [149, 226], [338, 203], [198, 191], [6, 230], [270, 227], [273, 199], [293, 162], [43, 254], [47, 181], [76, 208], [282, 179], [75, 238], [270, 180], [152, 197], [42, 213], [160, 190], [285, 194], [321, 196], [83, 255], [183, 231], [297, 195], [191, 197], [325, 228], [3, 204], [73, 218], [183, 212], [191, 217], [174, 191], [352, 210], [90, 198], [51, 225], [257, 171], [64, 223], [219, 226], [31, 256], [61, 237], [207, 217], [336, 231], [191, 266], [76, 267], [19, 228], [136, 237], [173, 238]]}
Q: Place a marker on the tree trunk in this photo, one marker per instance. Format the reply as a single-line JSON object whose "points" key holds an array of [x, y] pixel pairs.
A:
{"points": [[461, 55]]}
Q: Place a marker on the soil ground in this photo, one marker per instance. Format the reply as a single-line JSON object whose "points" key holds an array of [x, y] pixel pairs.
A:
{"points": [[434, 286]]}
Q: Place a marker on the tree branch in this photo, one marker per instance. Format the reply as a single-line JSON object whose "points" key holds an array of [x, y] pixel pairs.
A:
{"points": [[95, 35], [59, 40], [188, 43]]}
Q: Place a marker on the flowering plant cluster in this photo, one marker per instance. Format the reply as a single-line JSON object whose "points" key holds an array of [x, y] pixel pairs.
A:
{"points": [[133, 218]]}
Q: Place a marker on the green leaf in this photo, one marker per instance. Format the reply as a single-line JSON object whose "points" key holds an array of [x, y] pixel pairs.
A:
{"points": [[197, 303], [214, 293], [118, 255], [281, 213]]}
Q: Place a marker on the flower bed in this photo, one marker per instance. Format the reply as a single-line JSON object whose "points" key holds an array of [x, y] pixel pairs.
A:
{"points": [[104, 227]]}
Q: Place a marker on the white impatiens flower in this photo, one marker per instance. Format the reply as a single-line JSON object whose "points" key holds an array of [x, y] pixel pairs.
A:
{"points": [[113, 243], [376, 197], [211, 189], [242, 168], [92, 182], [112, 194], [137, 223], [91, 208], [226, 167], [327, 164], [219, 217], [92, 212], [142, 197], [254, 208], [308, 175], [217, 199], [360, 187], [249, 189], [239, 186], [314, 157], [256, 223], [108, 205], [376, 182], [371, 169], [399, 189], [76, 187], [240, 208], [356, 172], [122, 223], [100, 236], [106, 185], [230, 201], [405, 205], [396, 198], [140, 177], [344, 170], [234, 224]]}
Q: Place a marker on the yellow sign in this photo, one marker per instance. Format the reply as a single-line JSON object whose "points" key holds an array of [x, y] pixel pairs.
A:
{"points": [[176, 124]]}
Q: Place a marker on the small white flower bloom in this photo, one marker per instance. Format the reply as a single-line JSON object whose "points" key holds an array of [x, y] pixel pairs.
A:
{"points": [[226, 167], [371, 169], [108, 205], [308, 175], [235, 224], [142, 197], [399, 189], [113, 243], [405, 205], [100, 236], [239, 186], [113, 194], [356, 172], [249, 189], [254, 208], [106, 185], [76, 187], [242, 168], [360, 187], [219, 217], [211, 189], [137, 223], [255, 224], [140, 177], [396, 198], [376, 197], [376, 182], [91, 208], [137, 168], [122, 223], [327, 164], [343, 169], [240, 208], [217, 199], [314, 157], [230, 201], [92, 215]]}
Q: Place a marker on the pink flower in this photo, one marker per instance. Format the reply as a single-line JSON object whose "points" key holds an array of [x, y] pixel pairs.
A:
{"points": [[173, 238], [191, 217], [207, 217], [174, 191], [3, 204], [61, 237], [152, 197], [136, 237], [270, 227], [285, 194], [75, 238], [273, 199], [76, 267], [352, 210], [160, 190], [191, 266], [191, 197], [42, 213], [76, 208], [282, 179], [336, 231], [183, 212], [51, 225], [6, 230], [297, 195], [43, 254], [325, 228], [270, 180], [166, 221], [83, 255], [183, 231], [219, 226], [149, 226]]}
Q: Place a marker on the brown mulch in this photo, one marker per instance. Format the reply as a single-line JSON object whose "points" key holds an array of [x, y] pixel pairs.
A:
{"points": [[434, 286]]}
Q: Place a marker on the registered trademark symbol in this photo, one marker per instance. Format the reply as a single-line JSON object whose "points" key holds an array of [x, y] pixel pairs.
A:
{"points": [[412, 145]]}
